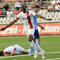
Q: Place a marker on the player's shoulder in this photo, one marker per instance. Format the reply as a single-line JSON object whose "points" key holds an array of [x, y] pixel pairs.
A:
{"points": [[31, 12]]}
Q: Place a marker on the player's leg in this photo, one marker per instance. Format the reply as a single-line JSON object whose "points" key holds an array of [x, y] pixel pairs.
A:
{"points": [[32, 42], [34, 46], [40, 50], [31, 50], [37, 38]]}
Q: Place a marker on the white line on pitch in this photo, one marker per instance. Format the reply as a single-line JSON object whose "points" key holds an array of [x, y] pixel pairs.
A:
{"points": [[53, 52], [28, 55], [12, 56], [53, 59]]}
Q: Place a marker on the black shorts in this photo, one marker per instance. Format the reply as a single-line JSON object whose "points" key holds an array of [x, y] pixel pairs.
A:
{"points": [[36, 34]]}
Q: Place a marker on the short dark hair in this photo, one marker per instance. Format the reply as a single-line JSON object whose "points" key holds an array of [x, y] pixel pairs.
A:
{"points": [[36, 6], [23, 8], [1, 53]]}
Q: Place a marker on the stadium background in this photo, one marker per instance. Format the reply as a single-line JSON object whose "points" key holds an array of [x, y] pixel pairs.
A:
{"points": [[48, 10], [50, 36]]}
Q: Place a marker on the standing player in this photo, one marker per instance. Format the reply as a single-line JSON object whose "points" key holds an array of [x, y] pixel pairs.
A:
{"points": [[36, 8], [27, 15], [13, 50]]}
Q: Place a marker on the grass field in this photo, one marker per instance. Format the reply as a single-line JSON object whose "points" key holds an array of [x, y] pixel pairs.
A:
{"points": [[51, 44]]}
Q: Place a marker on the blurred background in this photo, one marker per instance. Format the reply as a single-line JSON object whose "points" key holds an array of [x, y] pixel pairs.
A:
{"points": [[48, 9], [50, 36]]}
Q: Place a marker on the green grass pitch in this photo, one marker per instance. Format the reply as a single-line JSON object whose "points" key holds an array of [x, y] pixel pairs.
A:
{"points": [[51, 44]]}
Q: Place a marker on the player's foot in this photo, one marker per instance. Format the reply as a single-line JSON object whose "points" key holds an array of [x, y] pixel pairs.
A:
{"points": [[43, 54], [35, 54]]}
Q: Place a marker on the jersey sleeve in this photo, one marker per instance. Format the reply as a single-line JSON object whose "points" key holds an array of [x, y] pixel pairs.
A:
{"points": [[32, 13]]}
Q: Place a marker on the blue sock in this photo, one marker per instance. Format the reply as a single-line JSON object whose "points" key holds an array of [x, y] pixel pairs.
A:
{"points": [[31, 50], [38, 44]]}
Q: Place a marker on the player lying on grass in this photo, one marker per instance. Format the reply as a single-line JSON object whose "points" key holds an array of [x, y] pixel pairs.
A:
{"points": [[13, 50], [27, 17]]}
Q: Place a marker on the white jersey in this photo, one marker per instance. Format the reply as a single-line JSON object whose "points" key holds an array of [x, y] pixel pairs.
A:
{"points": [[16, 49], [27, 20]]}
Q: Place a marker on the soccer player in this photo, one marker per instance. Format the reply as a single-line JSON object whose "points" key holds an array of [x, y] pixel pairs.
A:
{"points": [[13, 50], [36, 8], [27, 16]]}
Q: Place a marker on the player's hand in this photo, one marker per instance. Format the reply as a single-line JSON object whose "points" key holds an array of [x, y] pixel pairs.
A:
{"points": [[2, 29], [49, 19]]}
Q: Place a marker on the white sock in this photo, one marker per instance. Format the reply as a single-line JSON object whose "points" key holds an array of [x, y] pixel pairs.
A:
{"points": [[33, 45]]}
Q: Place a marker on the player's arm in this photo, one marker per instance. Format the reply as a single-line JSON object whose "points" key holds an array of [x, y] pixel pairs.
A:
{"points": [[40, 26], [39, 16], [8, 54], [8, 25], [17, 18]]}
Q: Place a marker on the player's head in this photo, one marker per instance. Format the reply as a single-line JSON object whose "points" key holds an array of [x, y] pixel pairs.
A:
{"points": [[23, 8], [1, 53], [36, 8]]}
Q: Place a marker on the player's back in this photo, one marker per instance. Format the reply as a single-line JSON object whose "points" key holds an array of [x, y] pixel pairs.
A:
{"points": [[19, 49], [16, 49], [9, 49]]}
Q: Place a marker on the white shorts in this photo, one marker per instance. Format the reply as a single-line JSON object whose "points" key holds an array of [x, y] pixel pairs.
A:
{"points": [[30, 32]]}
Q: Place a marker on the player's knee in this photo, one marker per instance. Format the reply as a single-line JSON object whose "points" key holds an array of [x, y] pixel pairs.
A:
{"points": [[30, 38], [38, 39]]}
